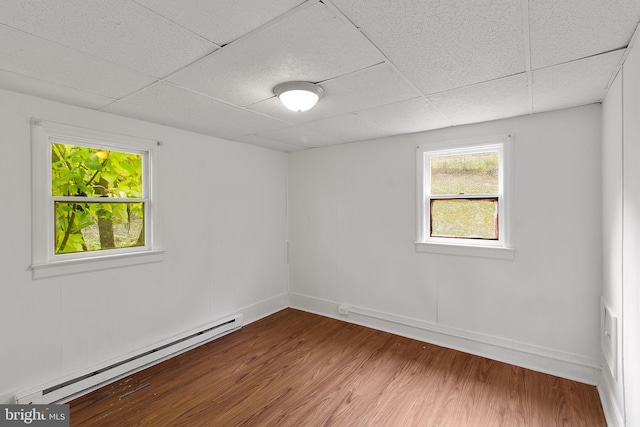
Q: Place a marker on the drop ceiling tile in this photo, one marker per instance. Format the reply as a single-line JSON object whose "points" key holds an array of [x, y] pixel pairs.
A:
{"points": [[441, 45], [221, 21], [310, 44], [575, 83], [346, 127], [413, 115], [172, 106], [566, 30], [48, 90], [268, 143], [301, 137], [367, 88], [120, 31], [31, 56], [497, 99]]}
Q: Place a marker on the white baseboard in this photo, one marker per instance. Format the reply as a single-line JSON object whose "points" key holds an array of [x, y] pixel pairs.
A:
{"points": [[565, 365], [264, 308], [612, 411]]}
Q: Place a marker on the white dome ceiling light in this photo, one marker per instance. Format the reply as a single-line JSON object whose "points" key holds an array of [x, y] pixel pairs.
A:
{"points": [[298, 96]]}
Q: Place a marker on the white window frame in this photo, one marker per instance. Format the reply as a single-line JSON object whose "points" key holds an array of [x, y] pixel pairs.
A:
{"points": [[45, 263], [501, 248]]}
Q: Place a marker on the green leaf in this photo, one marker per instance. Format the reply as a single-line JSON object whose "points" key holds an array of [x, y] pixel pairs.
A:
{"points": [[93, 165], [128, 168], [120, 211], [83, 220], [109, 176]]}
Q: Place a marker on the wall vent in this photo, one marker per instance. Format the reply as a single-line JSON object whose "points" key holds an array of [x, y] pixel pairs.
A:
{"points": [[67, 388]]}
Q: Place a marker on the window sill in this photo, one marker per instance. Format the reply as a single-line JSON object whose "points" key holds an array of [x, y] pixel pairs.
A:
{"points": [[75, 266], [494, 252]]}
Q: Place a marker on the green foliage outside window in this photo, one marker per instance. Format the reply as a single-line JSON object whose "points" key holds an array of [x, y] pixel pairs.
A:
{"points": [[94, 176]]}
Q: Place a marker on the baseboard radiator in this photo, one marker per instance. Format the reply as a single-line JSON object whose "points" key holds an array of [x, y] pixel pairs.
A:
{"points": [[65, 389]]}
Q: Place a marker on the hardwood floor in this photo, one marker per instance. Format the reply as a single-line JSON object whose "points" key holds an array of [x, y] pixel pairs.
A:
{"points": [[299, 369]]}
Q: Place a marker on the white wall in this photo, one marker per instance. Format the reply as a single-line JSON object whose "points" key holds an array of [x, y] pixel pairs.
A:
{"points": [[223, 219], [621, 238], [631, 236], [352, 228], [611, 383]]}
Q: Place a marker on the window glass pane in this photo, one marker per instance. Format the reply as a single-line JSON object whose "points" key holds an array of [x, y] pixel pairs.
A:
{"points": [[95, 226], [465, 218], [465, 174], [93, 172]]}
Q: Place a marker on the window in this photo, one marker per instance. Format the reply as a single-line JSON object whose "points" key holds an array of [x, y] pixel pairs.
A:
{"points": [[92, 199], [463, 199], [99, 198]]}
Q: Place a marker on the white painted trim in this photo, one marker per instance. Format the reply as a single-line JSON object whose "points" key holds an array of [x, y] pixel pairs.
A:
{"points": [[571, 366], [265, 308], [612, 411], [503, 144], [42, 229], [96, 263], [495, 252]]}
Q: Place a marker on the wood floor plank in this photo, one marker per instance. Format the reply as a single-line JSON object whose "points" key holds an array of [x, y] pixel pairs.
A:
{"points": [[299, 369]]}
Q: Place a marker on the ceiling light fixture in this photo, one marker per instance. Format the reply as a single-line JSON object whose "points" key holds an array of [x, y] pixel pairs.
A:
{"points": [[298, 96]]}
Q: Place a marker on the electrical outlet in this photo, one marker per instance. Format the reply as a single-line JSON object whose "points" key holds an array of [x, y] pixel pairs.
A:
{"points": [[343, 309]]}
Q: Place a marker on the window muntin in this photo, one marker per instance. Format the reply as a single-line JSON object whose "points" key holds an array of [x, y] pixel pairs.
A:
{"points": [[80, 176], [462, 193]]}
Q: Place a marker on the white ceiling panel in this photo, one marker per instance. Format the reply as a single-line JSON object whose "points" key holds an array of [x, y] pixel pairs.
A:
{"points": [[310, 44], [346, 127], [172, 106], [221, 21], [565, 30], [386, 67], [367, 88], [25, 54], [492, 100], [441, 45], [575, 83], [31, 86], [301, 137], [120, 31], [409, 116], [268, 143]]}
